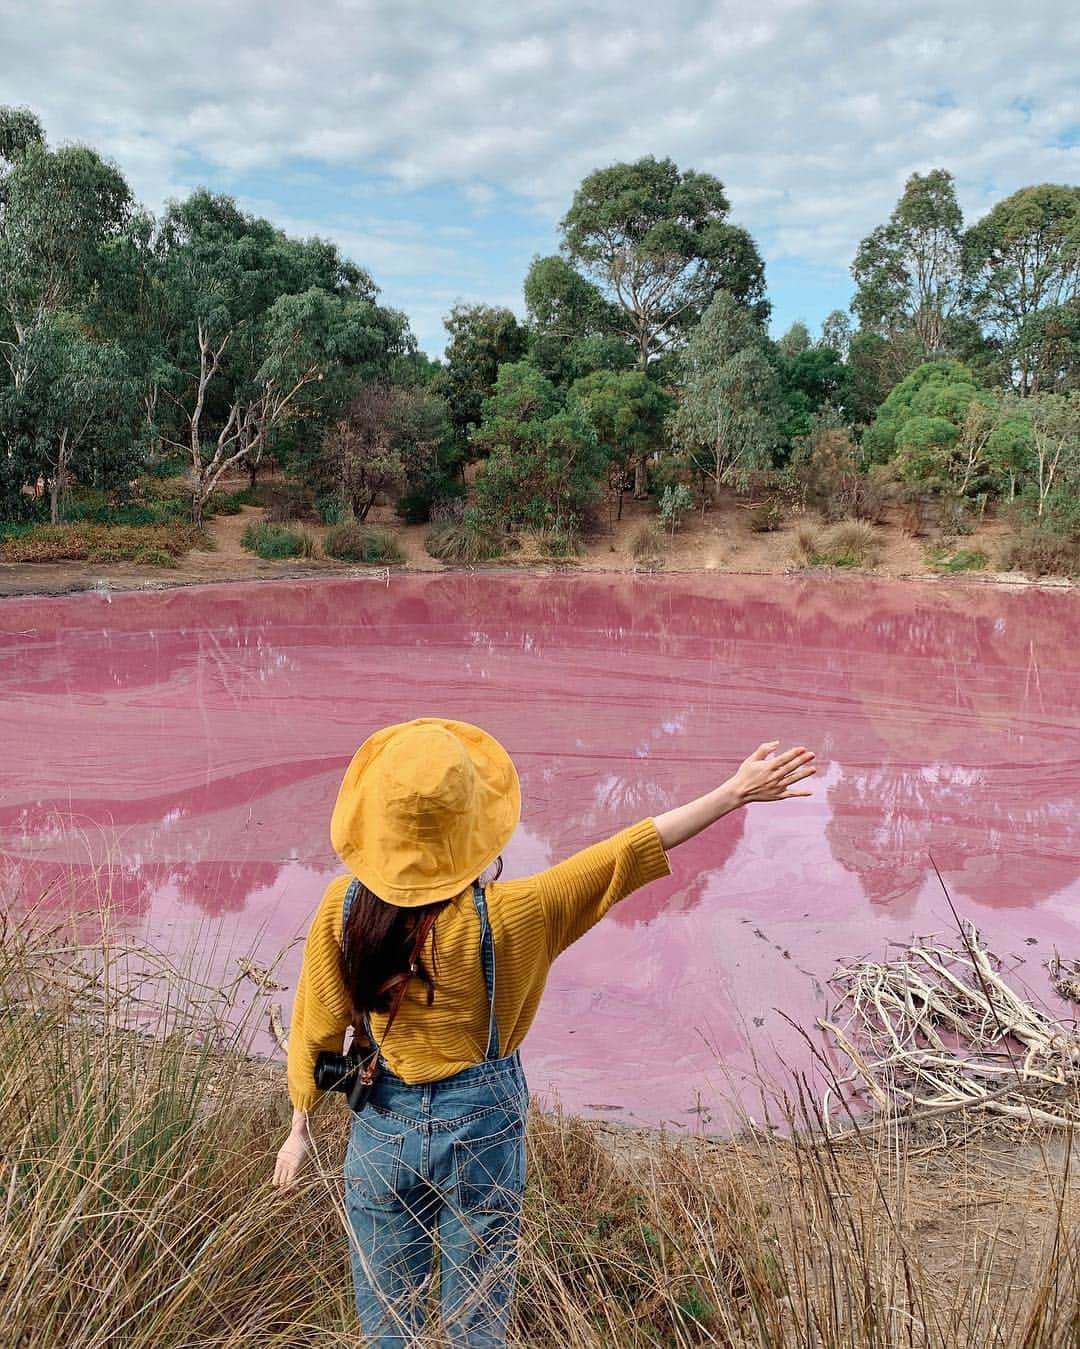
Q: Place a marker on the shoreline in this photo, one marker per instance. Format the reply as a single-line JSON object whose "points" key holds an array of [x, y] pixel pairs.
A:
{"points": [[17, 579]]}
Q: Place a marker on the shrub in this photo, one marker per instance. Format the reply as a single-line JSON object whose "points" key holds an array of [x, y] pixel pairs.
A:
{"points": [[850, 543], [229, 503], [467, 540], [674, 503], [88, 542], [942, 558], [355, 542], [1044, 552], [766, 517], [645, 542], [330, 509], [272, 541], [557, 543], [154, 557]]}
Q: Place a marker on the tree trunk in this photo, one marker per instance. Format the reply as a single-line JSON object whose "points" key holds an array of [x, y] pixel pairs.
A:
{"points": [[641, 478], [253, 469], [197, 505], [54, 501]]}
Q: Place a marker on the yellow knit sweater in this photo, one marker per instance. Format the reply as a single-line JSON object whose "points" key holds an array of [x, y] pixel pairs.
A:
{"points": [[532, 920]]}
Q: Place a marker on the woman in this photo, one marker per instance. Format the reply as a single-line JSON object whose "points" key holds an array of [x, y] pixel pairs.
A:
{"points": [[437, 1155]]}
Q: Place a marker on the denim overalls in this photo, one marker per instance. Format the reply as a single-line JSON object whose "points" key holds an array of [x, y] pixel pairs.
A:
{"points": [[439, 1160]]}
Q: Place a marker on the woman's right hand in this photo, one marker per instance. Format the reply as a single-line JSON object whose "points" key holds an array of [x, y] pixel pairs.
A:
{"points": [[761, 778]]}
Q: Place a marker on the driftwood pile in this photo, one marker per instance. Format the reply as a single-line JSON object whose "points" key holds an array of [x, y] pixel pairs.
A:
{"points": [[941, 1031]]}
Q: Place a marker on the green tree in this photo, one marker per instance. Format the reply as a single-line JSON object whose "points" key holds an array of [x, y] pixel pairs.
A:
{"points": [[73, 421], [836, 333], [1055, 425], [1022, 261], [20, 129], [937, 427], [908, 272], [573, 329], [795, 341], [544, 461], [627, 410], [657, 245], [270, 335], [482, 338], [57, 211], [813, 378], [729, 394]]}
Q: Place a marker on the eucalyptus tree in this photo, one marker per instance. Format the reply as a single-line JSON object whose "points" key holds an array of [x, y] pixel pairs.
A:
{"points": [[908, 272], [482, 338], [656, 244], [573, 329], [58, 209], [628, 411], [1023, 266], [74, 421], [730, 396], [269, 333]]}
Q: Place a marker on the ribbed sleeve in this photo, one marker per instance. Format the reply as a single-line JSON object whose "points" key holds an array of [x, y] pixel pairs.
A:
{"points": [[321, 1009], [577, 893], [532, 920]]}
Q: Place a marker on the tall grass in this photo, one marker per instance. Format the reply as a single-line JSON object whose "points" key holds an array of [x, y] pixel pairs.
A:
{"points": [[136, 1209]]}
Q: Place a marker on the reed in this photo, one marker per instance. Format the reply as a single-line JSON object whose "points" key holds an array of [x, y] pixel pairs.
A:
{"points": [[137, 1141]]}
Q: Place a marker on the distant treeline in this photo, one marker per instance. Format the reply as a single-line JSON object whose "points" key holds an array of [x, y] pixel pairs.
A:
{"points": [[209, 340]]}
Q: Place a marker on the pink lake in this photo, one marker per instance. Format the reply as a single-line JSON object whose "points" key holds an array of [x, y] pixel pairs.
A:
{"points": [[193, 739]]}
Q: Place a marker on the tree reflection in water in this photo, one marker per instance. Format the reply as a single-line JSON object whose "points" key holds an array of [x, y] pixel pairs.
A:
{"points": [[189, 742]]}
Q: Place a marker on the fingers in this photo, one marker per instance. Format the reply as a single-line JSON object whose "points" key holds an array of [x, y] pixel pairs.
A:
{"points": [[763, 751]]}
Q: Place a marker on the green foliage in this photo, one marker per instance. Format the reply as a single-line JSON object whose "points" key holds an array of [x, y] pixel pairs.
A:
{"points": [[1022, 261], [730, 394], [674, 504], [272, 541], [544, 462], [231, 503], [908, 272], [354, 542], [656, 244], [557, 543], [811, 379], [945, 559], [482, 338], [923, 414], [627, 410]]}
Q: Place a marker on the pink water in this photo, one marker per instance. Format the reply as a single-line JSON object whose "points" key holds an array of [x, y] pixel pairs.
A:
{"points": [[194, 740]]}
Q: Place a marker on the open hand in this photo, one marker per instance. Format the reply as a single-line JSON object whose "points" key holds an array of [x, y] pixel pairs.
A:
{"points": [[765, 778], [291, 1157]]}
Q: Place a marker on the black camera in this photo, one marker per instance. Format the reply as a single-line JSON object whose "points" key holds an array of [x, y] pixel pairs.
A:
{"points": [[344, 1073]]}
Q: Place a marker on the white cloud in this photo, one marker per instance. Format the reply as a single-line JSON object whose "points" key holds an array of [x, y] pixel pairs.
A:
{"points": [[812, 113]]}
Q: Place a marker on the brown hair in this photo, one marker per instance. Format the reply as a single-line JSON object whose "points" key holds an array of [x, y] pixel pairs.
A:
{"points": [[376, 946]]}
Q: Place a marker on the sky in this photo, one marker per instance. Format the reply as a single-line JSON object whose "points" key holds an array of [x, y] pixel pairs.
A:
{"points": [[440, 143]]}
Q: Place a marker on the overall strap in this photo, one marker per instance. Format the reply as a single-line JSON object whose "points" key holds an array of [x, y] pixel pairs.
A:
{"points": [[487, 962]]}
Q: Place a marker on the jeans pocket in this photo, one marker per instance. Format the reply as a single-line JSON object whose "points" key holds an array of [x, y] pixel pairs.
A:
{"points": [[489, 1167], [372, 1165]]}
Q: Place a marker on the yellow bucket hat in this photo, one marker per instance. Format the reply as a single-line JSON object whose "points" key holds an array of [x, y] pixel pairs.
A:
{"points": [[424, 808]]}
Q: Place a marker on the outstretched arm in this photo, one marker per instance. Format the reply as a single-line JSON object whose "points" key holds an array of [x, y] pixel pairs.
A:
{"points": [[759, 778]]}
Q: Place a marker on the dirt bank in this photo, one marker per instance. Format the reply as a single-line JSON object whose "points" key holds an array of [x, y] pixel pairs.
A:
{"points": [[719, 541]]}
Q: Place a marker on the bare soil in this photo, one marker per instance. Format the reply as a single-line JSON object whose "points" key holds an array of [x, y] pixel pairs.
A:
{"points": [[718, 540]]}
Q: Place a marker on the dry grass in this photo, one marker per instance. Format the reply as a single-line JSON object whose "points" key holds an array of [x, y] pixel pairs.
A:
{"points": [[646, 544], [137, 1209], [81, 542], [849, 543]]}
